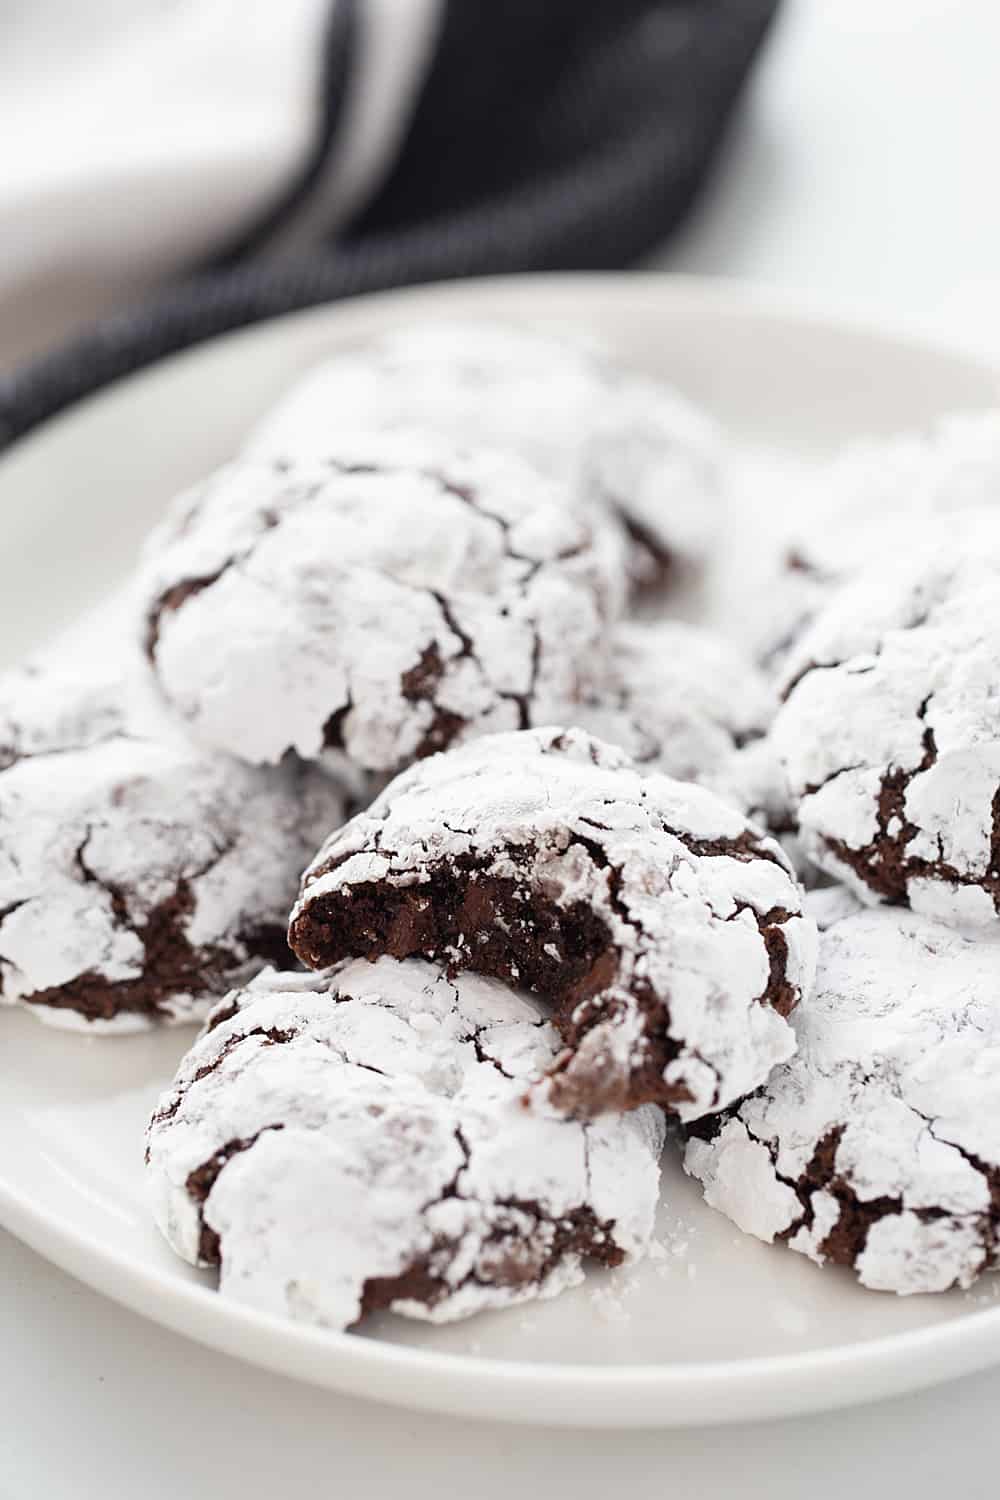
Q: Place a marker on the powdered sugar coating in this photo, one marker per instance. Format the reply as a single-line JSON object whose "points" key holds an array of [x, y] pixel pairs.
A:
{"points": [[44, 708], [679, 699], [138, 878], [357, 1139], [876, 495], [387, 601], [828, 904], [878, 1145], [953, 467], [663, 927], [561, 403], [754, 780], [891, 733]]}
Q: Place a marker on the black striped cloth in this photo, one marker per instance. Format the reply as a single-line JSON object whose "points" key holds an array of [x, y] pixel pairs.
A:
{"points": [[548, 135]]}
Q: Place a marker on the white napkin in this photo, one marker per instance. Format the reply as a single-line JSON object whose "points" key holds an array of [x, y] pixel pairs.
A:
{"points": [[140, 135]]}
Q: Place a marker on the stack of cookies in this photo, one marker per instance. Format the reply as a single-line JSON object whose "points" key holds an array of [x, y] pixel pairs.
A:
{"points": [[486, 876]]}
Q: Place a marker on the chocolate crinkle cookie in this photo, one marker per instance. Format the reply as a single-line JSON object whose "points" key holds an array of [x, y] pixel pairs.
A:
{"points": [[604, 433], [890, 735], [684, 700], [915, 486], [831, 903], [664, 930], [344, 1142], [877, 1146], [45, 708], [679, 699], [139, 878], [753, 779], [386, 602]]}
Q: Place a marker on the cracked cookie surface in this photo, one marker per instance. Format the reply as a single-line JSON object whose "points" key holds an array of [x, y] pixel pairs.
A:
{"points": [[632, 443], [878, 1145], [679, 699], [890, 735], [663, 929], [139, 879], [386, 602], [357, 1140]]}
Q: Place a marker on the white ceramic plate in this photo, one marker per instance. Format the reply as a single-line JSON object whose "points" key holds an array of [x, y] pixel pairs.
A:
{"points": [[715, 1327]]}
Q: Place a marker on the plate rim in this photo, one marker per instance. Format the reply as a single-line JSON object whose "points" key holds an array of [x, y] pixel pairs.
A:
{"points": [[710, 1392], [697, 1392], [730, 296]]}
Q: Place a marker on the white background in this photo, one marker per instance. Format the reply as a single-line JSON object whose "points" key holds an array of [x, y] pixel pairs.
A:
{"points": [[864, 174]]}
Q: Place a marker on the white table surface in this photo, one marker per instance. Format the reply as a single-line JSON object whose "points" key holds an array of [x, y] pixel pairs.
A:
{"points": [[863, 175]]}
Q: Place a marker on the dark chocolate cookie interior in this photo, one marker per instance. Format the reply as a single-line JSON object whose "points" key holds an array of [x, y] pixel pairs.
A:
{"points": [[506, 928]]}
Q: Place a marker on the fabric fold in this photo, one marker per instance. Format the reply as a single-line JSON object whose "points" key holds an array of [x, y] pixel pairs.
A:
{"points": [[569, 136]]}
